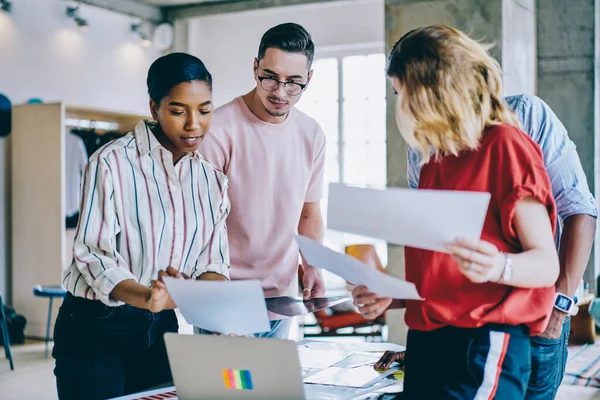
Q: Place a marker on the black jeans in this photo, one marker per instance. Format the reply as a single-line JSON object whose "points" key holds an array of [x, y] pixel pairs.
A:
{"points": [[491, 362], [104, 352]]}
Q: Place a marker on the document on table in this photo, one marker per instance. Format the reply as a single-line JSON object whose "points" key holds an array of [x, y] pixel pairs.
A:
{"points": [[228, 307], [355, 271], [291, 306], [374, 347], [358, 359], [425, 219], [359, 377], [321, 359]]}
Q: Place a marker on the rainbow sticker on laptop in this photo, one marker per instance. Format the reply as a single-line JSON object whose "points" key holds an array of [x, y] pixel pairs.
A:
{"points": [[237, 379]]}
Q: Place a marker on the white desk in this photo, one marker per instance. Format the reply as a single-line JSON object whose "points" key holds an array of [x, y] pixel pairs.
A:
{"points": [[321, 392]]}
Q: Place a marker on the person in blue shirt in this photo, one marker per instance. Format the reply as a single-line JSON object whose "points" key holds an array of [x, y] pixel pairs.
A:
{"points": [[577, 212]]}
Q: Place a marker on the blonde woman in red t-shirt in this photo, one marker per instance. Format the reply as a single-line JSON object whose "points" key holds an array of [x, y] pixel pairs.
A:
{"points": [[469, 338]]}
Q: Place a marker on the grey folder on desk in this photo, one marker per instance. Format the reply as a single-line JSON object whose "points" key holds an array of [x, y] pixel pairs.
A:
{"points": [[292, 307]]}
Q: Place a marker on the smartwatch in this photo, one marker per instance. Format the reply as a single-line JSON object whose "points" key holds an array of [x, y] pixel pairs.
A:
{"points": [[565, 304]]}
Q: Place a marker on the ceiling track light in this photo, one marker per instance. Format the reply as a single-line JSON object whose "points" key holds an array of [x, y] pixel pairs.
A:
{"points": [[6, 5], [136, 27], [73, 12], [81, 23]]}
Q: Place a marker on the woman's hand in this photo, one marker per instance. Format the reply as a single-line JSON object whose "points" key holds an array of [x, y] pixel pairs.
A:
{"points": [[171, 273], [369, 305], [160, 299], [478, 260]]}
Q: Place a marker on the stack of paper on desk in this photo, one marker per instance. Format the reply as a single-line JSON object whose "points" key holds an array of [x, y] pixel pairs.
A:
{"points": [[359, 377], [426, 219], [228, 307], [355, 271], [342, 367]]}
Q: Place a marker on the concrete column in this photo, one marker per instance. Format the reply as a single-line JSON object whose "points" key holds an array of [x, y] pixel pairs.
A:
{"points": [[566, 36], [510, 24]]}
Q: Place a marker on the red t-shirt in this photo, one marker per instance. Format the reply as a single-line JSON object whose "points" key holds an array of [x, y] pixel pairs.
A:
{"points": [[508, 165]]}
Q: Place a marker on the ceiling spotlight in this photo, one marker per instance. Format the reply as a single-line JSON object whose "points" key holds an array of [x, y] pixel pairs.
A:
{"points": [[136, 27], [73, 12], [81, 23], [6, 5]]}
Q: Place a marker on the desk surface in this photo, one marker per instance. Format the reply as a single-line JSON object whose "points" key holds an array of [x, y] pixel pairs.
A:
{"points": [[313, 391]]}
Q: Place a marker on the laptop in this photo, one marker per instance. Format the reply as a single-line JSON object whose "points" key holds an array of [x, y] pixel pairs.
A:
{"points": [[231, 368]]}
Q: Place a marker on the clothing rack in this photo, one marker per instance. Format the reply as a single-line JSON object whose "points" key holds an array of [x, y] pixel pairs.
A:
{"points": [[39, 240], [90, 125]]}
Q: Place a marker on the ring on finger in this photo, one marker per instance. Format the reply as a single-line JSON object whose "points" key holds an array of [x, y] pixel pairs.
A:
{"points": [[470, 266]]}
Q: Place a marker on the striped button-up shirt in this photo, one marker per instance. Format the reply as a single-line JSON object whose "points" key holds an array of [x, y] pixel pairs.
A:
{"points": [[140, 214]]}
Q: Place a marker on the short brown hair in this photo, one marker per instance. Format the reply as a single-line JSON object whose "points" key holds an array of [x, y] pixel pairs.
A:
{"points": [[452, 88], [289, 37]]}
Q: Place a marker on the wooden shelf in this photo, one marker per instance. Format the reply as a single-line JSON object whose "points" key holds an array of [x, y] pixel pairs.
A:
{"points": [[39, 239], [126, 121]]}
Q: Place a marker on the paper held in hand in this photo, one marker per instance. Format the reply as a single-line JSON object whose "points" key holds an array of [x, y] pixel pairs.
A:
{"points": [[355, 271], [425, 219], [228, 307]]}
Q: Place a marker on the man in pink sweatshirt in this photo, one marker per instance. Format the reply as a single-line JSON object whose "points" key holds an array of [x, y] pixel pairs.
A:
{"points": [[274, 156]]}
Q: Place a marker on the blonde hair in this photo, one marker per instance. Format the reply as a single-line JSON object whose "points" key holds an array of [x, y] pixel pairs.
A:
{"points": [[452, 88]]}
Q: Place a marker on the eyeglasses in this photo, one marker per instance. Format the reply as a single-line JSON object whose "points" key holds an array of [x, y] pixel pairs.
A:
{"points": [[291, 88]]}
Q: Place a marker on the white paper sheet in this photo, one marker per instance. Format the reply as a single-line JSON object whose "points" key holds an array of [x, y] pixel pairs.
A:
{"points": [[321, 359], [396, 387], [425, 219], [376, 347], [228, 307], [359, 377], [358, 359], [355, 271]]}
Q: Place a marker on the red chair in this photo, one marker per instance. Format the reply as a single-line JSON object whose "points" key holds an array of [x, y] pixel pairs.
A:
{"points": [[332, 322]]}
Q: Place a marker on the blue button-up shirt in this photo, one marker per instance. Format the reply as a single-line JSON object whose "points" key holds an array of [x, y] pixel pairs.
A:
{"points": [[569, 184]]}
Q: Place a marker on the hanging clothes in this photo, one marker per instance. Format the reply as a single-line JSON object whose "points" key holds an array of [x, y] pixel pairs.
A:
{"points": [[76, 157], [94, 140]]}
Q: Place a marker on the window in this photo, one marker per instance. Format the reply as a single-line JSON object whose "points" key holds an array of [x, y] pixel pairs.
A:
{"points": [[347, 98]]}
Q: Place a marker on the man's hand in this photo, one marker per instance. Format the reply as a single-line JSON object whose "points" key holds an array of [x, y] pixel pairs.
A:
{"points": [[313, 283], [388, 358], [555, 325], [369, 304]]}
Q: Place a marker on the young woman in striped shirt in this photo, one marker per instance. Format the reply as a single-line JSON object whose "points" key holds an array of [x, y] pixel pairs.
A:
{"points": [[469, 338], [150, 202]]}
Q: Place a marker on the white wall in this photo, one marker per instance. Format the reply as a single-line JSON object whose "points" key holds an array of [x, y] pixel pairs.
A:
{"points": [[228, 43], [43, 54]]}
